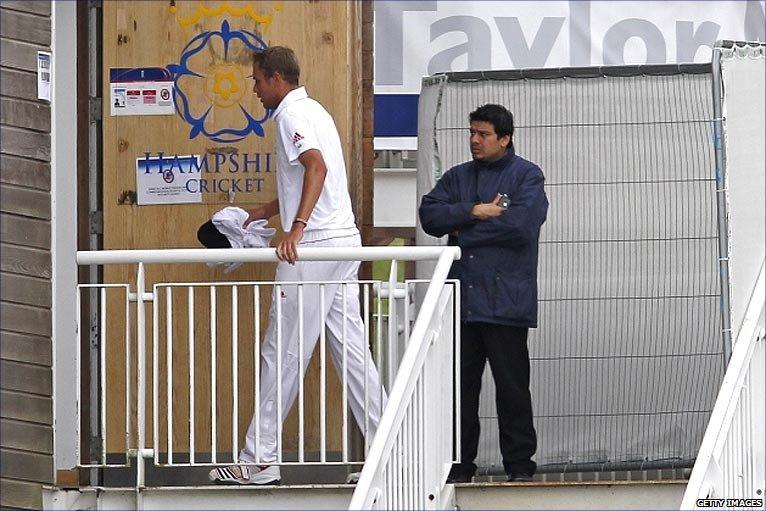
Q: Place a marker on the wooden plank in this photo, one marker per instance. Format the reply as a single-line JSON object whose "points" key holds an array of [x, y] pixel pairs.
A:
{"points": [[26, 261], [25, 114], [21, 494], [28, 378], [26, 27], [26, 348], [18, 84], [26, 290], [25, 231], [21, 142], [26, 407], [25, 202], [24, 172], [19, 55], [26, 437], [26, 465], [148, 34], [68, 478], [25, 319], [41, 8]]}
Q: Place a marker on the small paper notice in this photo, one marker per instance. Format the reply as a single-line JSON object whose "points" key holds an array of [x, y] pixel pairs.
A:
{"points": [[168, 180], [141, 91], [44, 75]]}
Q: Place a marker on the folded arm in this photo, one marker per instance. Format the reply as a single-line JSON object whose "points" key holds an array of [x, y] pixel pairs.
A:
{"points": [[441, 212], [517, 225]]}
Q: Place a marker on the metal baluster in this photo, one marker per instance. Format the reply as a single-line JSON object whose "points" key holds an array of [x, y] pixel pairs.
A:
{"points": [[234, 374], [345, 380], [278, 297], [213, 378], [322, 377], [169, 368], [190, 308], [257, 369], [102, 361]]}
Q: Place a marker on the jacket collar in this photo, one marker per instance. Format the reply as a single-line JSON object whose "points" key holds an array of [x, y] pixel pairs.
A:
{"points": [[501, 163], [291, 97]]}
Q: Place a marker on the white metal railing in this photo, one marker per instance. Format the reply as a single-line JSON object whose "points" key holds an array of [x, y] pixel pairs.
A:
{"points": [[730, 463], [170, 302], [163, 444], [412, 452]]}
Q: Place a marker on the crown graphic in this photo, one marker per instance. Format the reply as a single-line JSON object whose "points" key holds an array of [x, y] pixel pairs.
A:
{"points": [[225, 8]]}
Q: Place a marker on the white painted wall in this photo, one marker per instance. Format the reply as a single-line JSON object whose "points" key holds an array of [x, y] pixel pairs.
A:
{"points": [[395, 198], [744, 125], [64, 230]]}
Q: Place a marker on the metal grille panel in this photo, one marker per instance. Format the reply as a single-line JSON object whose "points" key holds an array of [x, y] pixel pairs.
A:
{"points": [[628, 356]]}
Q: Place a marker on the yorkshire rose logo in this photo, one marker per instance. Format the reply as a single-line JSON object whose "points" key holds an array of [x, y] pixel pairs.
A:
{"points": [[211, 79]]}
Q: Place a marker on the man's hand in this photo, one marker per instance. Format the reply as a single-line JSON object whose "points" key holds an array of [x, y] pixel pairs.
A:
{"points": [[254, 214], [488, 210], [287, 248], [263, 212]]}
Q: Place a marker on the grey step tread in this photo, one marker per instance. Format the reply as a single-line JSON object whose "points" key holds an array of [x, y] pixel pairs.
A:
{"points": [[559, 484]]}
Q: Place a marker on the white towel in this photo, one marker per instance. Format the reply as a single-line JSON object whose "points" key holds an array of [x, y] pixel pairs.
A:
{"points": [[229, 222]]}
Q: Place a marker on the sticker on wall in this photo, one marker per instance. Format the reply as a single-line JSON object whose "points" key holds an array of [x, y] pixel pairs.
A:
{"points": [[141, 91], [44, 75], [168, 180]]}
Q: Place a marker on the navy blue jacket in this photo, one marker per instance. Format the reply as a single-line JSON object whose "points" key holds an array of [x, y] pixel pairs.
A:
{"points": [[498, 267]]}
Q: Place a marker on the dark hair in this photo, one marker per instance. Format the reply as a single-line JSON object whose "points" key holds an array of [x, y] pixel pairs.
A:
{"points": [[497, 115], [279, 59]]}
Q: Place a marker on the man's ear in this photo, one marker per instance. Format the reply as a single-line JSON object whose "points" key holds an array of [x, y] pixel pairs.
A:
{"points": [[505, 141]]}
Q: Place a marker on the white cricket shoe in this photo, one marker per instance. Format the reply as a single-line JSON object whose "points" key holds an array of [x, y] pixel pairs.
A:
{"points": [[246, 474], [353, 477]]}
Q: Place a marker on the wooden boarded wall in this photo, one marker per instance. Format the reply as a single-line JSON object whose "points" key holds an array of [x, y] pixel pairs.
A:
{"points": [[26, 439], [326, 37]]}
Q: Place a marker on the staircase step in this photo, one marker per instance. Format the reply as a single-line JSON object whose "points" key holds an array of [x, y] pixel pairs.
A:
{"points": [[321, 496], [571, 495]]}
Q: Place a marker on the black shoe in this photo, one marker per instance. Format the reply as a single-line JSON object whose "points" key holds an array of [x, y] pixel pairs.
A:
{"points": [[517, 477], [461, 474]]}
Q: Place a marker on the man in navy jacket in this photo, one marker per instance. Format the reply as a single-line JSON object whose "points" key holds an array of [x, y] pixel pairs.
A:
{"points": [[493, 207]]}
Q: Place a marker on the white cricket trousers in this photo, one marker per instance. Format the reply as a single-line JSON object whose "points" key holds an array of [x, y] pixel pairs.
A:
{"points": [[350, 331]]}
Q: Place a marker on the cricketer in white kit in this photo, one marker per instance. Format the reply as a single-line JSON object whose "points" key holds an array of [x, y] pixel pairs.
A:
{"points": [[315, 210]]}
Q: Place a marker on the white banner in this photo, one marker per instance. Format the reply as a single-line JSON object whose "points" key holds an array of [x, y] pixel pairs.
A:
{"points": [[418, 38]]}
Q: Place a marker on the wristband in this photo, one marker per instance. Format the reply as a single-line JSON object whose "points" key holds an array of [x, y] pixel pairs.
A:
{"points": [[301, 221]]}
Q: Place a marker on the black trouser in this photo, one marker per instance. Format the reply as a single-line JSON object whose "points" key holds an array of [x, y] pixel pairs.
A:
{"points": [[506, 349]]}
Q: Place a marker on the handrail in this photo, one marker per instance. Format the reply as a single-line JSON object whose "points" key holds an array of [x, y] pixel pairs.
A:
{"points": [[739, 405], [258, 255], [403, 387], [443, 255]]}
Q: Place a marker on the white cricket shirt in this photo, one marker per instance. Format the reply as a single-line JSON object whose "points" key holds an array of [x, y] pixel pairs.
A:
{"points": [[303, 124]]}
